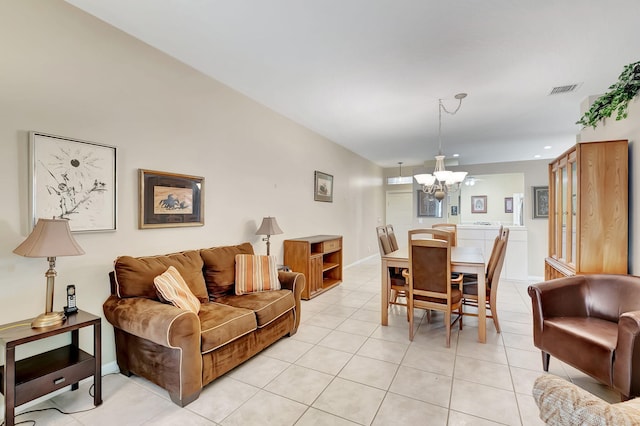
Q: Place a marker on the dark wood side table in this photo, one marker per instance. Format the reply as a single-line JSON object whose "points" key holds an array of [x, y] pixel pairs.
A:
{"points": [[30, 378]]}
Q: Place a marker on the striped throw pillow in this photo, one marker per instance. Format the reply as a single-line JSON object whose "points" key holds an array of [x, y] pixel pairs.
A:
{"points": [[256, 273], [172, 288]]}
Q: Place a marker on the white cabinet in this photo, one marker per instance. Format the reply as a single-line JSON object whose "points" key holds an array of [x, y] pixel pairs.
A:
{"points": [[482, 236]]}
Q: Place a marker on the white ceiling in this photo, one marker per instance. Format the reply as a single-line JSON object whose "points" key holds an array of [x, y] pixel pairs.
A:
{"points": [[368, 74]]}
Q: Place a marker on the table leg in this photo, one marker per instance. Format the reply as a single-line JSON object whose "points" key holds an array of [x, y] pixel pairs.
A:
{"points": [[482, 311], [9, 386], [75, 341], [384, 293], [97, 354]]}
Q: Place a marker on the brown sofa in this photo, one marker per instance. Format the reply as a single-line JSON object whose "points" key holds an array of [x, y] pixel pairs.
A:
{"points": [[591, 322], [182, 351]]}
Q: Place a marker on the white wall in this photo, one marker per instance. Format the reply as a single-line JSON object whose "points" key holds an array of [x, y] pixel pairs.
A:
{"points": [[66, 73], [496, 187], [629, 129]]}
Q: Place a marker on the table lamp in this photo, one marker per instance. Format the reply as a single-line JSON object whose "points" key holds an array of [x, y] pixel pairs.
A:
{"points": [[50, 238], [268, 227]]}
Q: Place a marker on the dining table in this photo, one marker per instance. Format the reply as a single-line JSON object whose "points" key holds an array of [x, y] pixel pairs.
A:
{"points": [[463, 259]]}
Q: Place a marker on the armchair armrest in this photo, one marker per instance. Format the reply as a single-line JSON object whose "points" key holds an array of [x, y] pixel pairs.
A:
{"points": [[563, 403], [294, 281], [160, 323], [556, 298], [626, 368], [564, 297]]}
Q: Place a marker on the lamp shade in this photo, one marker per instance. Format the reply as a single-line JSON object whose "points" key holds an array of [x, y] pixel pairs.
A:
{"points": [[50, 238], [269, 226], [425, 179]]}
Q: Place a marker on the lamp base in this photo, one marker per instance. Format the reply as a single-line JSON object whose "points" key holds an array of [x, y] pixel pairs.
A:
{"points": [[48, 320]]}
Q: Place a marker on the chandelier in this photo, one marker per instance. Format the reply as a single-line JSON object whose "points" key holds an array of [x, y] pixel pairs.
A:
{"points": [[442, 181]]}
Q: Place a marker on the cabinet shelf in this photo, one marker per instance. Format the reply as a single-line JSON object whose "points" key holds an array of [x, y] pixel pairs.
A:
{"points": [[319, 258], [328, 266]]}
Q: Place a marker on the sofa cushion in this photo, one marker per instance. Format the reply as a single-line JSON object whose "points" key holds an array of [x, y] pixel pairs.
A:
{"points": [[267, 305], [256, 273], [172, 289], [134, 275], [221, 324], [220, 268]]}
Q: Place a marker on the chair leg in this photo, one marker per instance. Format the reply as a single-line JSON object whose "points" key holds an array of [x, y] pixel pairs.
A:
{"points": [[429, 316], [545, 361], [460, 315], [410, 313], [447, 323], [494, 314]]}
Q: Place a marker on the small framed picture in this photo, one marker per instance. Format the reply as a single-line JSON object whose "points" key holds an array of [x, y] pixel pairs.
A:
{"points": [[508, 205], [478, 204], [454, 210], [540, 202], [169, 200], [72, 179], [323, 187]]}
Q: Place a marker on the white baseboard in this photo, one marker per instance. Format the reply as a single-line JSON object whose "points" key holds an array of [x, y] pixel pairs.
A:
{"points": [[365, 259]]}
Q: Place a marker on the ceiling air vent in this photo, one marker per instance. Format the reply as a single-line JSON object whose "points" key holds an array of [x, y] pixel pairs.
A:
{"points": [[563, 89]]}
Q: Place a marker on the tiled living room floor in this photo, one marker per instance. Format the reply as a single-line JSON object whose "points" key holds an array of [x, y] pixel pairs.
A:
{"points": [[343, 368]]}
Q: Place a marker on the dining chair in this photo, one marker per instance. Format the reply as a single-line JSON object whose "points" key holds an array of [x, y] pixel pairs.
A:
{"points": [[392, 238], [492, 257], [429, 277], [399, 286], [489, 301], [451, 227]]}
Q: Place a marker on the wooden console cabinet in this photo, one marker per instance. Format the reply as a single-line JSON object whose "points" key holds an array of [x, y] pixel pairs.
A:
{"points": [[30, 378], [588, 210], [319, 258]]}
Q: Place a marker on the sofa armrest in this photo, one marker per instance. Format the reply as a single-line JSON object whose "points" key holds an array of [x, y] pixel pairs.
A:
{"points": [[294, 281], [563, 403], [161, 323], [626, 368]]}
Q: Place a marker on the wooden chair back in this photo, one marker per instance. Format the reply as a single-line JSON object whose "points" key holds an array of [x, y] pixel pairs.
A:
{"points": [[383, 240], [392, 238], [435, 234], [430, 270], [451, 227], [494, 270]]}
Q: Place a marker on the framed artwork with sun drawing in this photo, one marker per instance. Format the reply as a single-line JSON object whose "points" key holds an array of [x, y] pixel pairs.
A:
{"points": [[72, 179]]}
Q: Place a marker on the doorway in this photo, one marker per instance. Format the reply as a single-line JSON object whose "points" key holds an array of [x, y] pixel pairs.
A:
{"points": [[399, 213]]}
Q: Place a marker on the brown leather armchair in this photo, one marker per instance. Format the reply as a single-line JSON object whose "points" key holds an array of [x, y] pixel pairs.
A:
{"points": [[591, 322]]}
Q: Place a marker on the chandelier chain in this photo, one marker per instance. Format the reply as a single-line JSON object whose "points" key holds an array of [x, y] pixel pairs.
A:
{"points": [[441, 108]]}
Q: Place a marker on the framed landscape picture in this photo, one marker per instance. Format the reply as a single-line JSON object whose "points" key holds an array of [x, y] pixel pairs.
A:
{"points": [[72, 179], [170, 200]]}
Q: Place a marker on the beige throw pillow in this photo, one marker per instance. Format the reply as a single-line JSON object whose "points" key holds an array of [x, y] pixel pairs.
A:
{"points": [[173, 289], [256, 273]]}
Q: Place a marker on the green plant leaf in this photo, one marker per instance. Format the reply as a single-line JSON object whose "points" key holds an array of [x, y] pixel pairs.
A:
{"points": [[617, 99]]}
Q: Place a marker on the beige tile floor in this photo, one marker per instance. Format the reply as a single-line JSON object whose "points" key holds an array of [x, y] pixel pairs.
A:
{"points": [[343, 368]]}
